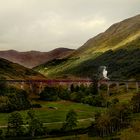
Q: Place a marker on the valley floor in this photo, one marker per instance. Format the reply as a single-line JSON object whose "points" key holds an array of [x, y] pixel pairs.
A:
{"points": [[52, 114]]}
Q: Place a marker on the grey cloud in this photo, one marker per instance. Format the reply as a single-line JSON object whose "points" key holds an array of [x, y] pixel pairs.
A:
{"points": [[46, 24]]}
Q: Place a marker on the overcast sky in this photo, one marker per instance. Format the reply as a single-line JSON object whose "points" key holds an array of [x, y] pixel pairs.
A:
{"points": [[47, 24]]}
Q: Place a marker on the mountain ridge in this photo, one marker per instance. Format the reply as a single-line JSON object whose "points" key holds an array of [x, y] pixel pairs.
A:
{"points": [[121, 30], [33, 58]]}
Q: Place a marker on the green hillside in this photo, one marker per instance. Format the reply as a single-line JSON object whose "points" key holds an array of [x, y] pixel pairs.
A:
{"points": [[118, 48], [11, 70], [116, 36]]}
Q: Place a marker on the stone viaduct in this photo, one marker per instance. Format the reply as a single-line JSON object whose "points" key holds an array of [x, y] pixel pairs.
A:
{"points": [[39, 85]]}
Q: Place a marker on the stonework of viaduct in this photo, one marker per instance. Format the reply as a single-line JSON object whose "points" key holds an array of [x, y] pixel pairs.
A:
{"points": [[39, 85]]}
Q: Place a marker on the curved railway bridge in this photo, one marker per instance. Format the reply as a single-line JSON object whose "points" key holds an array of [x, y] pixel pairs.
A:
{"points": [[38, 85]]}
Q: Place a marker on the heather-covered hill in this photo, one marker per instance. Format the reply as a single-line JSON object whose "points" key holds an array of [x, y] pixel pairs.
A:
{"points": [[33, 58]]}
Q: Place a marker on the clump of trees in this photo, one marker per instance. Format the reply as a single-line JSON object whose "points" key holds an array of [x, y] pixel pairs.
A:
{"points": [[14, 100], [31, 126], [35, 127], [135, 103], [71, 121], [81, 94], [50, 93], [17, 128], [15, 125], [118, 116], [11, 98]]}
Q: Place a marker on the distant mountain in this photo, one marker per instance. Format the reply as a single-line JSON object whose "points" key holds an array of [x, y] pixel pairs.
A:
{"points": [[33, 58], [118, 48], [11, 70]]}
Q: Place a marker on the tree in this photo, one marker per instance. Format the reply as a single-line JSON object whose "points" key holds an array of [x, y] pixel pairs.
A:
{"points": [[5, 105], [94, 86], [1, 134], [72, 88], [15, 124], [35, 125], [14, 99], [19, 100], [63, 93], [76, 96], [88, 99], [115, 101], [135, 102], [103, 124], [120, 116], [71, 120], [97, 115], [49, 93], [3, 85], [99, 101]]}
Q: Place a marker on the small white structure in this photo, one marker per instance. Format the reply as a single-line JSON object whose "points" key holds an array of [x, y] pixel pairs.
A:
{"points": [[105, 73]]}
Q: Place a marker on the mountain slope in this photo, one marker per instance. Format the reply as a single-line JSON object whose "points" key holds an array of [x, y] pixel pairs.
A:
{"points": [[114, 37], [33, 58], [118, 48], [11, 70]]}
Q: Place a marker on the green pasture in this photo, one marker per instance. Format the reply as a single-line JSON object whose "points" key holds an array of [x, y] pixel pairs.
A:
{"points": [[52, 112], [123, 97], [49, 115]]}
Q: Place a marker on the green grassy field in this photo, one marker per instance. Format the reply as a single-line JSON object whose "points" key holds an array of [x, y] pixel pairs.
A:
{"points": [[122, 96], [48, 115], [84, 111]]}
